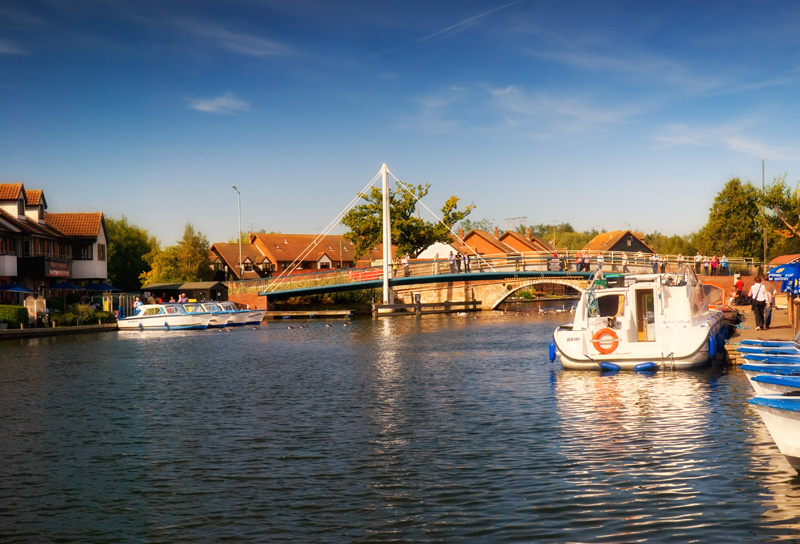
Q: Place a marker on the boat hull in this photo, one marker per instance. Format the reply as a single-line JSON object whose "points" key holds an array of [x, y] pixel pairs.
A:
{"points": [[160, 323], [781, 415], [772, 384]]}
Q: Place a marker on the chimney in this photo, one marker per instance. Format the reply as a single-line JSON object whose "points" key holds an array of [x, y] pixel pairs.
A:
{"points": [[461, 232], [495, 233], [528, 233]]}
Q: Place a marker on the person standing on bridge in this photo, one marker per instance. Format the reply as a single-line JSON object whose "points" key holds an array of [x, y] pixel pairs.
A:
{"points": [[405, 265], [451, 260], [436, 265], [458, 262], [466, 263]]}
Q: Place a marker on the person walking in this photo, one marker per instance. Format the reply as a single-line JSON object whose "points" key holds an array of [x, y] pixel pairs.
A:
{"points": [[758, 297]]}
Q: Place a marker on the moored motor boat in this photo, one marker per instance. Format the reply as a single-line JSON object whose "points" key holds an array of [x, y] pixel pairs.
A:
{"points": [[164, 317], [781, 415], [240, 316], [630, 319], [220, 317]]}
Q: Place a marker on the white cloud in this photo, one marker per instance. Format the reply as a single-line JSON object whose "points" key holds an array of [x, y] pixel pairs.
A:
{"points": [[8, 48], [227, 103], [238, 42]]}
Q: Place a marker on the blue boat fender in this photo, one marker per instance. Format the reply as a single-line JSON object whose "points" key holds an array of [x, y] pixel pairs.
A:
{"points": [[646, 367], [712, 346], [605, 365], [552, 352]]}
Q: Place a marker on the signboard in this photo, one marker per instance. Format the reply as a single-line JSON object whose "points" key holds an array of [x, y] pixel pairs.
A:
{"points": [[555, 265]]}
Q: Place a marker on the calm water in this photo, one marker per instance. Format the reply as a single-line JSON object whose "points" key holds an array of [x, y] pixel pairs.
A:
{"points": [[445, 428]]}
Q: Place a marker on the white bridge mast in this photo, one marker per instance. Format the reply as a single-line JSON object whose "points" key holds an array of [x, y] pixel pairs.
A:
{"points": [[388, 296]]}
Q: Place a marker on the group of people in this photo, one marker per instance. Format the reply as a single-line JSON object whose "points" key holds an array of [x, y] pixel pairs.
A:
{"points": [[137, 302], [711, 266]]}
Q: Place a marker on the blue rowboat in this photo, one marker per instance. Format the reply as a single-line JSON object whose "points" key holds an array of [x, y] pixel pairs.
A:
{"points": [[771, 358], [781, 415], [768, 384]]}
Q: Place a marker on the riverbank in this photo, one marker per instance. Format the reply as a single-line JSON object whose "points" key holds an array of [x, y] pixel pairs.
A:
{"points": [[781, 327], [15, 334]]}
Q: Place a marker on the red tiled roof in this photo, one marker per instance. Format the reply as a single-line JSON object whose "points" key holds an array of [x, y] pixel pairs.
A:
{"points": [[606, 240], [785, 259], [77, 225], [34, 197], [522, 243], [10, 191], [289, 247]]}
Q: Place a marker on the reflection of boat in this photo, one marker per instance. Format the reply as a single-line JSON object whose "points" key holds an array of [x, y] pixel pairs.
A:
{"points": [[164, 317], [627, 320], [781, 415]]}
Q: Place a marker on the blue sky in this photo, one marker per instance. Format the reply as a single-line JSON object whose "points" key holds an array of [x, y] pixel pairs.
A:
{"points": [[606, 115]]}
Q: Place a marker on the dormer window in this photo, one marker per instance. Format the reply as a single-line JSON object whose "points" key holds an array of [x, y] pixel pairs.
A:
{"points": [[21, 207], [41, 212]]}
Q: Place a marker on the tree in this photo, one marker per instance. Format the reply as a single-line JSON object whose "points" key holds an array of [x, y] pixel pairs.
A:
{"points": [[410, 233], [127, 246], [486, 225], [193, 261], [733, 226], [187, 261]]}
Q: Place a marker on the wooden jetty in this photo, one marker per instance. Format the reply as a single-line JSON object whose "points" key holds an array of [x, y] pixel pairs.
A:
{"points": [[418, 308]]}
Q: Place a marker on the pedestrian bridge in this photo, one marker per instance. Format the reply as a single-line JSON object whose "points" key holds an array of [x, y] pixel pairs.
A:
{"points": [[491, 286]]}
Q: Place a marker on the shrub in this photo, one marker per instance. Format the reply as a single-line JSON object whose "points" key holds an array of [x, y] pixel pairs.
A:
{"points": [[13, 315], [63, 320]]}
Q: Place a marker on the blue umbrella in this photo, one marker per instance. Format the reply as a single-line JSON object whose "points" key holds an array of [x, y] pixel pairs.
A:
{"points": [[66, 285], [100, 286], [789, 275], [15, 288]]}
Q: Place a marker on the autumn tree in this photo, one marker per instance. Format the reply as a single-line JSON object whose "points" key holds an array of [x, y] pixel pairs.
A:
{"points": [[410, 233], [185, 262], [127, 246]]}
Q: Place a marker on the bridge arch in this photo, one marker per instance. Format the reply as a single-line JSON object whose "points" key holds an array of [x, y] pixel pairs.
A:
{"points": [[513, 286]]}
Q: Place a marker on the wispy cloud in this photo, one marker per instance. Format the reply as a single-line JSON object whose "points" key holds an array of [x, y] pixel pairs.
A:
{"points": [[728, 135], [466, 23], [227, 104], [8, 48], [559, 113], [238, 42]]}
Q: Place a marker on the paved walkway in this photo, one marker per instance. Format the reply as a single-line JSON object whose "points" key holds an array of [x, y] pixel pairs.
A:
{"points": [[780, 329]]}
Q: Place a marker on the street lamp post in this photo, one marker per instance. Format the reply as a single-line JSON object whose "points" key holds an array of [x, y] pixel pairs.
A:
{"points": [[764, 212], [239, 202]]}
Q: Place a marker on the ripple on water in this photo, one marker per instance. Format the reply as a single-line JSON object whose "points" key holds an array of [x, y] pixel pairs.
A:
{"points": [[442, 428]]}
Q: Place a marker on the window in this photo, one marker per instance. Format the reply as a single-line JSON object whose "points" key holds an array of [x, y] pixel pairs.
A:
{"points": [[248, 266], [101, 252], [82, 252], [41, 212], [21, 207]]}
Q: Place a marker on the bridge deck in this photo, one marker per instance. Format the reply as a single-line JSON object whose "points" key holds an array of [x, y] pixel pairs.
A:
{"points": [[416, 280]]}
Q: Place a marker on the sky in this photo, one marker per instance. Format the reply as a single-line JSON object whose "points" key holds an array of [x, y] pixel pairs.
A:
{"points": [[604, 115]]}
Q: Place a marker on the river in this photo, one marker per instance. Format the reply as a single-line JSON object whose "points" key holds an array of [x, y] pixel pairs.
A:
{"points": [[451, 428]]}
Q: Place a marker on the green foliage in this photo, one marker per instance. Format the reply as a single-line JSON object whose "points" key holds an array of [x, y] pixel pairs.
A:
{"points": [[65, 319], [485, 225], [187, 261], [13, 315], [783, 219], [670, 245], [127, 246], [410, 233], [734, 226], [83, 312]]}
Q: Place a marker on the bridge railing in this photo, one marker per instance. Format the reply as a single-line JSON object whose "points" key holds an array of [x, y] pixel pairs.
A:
{"points": [[530, 261]]}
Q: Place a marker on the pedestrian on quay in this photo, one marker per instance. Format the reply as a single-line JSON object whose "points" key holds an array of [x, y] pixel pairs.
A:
{"points": [[758, 297], [698, 261]]}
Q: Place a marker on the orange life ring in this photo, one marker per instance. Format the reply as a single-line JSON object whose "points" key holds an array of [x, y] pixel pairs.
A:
{"points": [[599, 341]]}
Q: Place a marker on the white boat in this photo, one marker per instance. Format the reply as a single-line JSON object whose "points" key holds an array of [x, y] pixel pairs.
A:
{"points": [[242, 317], [781, 415], [164, 317], [769, 384], [220, 317], [641, 321]]}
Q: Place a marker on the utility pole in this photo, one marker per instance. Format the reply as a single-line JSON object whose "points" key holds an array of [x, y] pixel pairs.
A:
{"points": [[764, 212], [388, 296]]}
